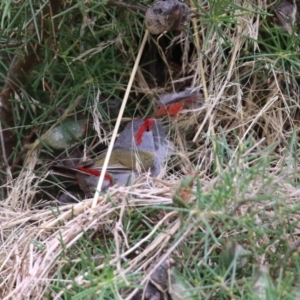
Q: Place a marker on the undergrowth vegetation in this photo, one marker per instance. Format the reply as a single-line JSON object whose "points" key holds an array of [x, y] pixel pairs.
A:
{"points": [[221, 220]]}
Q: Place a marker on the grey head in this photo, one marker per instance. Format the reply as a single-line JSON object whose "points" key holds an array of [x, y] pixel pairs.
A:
{"points": [[137, 135], [145, 135]]}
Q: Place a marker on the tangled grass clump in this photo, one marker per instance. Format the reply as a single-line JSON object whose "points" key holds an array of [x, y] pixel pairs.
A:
{"points": [[222, 218]]}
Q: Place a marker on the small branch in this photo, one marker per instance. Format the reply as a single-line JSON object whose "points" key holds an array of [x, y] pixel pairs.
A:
{"points": [[122, 109]]}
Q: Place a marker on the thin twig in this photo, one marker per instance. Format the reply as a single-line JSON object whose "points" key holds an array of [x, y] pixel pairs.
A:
{"points": [[121, 112]]}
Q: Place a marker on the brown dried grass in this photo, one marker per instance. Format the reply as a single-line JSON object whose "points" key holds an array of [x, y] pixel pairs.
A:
{"points": [[34, 239]]}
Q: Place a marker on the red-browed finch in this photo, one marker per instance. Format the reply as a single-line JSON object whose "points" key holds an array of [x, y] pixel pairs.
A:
{"points": [[140, 147]]}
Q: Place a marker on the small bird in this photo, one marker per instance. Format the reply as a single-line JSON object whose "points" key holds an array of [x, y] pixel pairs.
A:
{"points": [[172, 103], [141, 146]]}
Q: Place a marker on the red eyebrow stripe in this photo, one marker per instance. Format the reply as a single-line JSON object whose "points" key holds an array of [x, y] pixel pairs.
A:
{"points": [[139, 135], [171, 110], [96, 173]]}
